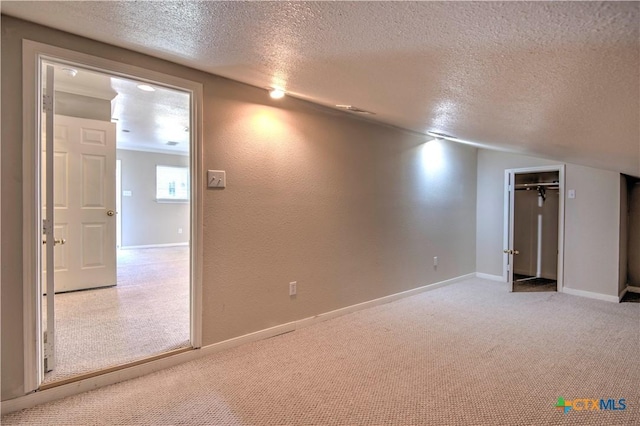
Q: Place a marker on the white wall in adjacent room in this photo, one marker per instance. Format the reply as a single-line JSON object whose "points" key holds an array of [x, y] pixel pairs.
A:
{"points": [[145, 220]]}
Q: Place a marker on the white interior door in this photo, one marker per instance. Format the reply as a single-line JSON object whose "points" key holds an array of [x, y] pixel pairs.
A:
{"points": [[85, 202]]}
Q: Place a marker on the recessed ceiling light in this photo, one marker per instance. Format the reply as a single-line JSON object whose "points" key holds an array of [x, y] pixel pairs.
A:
{"points": [[355, 109], [71, 72], [146, 88], [276, 93]]}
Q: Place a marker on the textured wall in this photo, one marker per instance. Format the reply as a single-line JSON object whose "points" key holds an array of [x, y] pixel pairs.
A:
{"points": [[350, 209], [144, 220], [592, 230]]}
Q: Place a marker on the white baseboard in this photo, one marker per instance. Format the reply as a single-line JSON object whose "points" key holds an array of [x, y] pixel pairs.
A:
{"points": [[590, 294], [154, 246], [633, 289], [490, 277], [52, 394], [375, 302]]}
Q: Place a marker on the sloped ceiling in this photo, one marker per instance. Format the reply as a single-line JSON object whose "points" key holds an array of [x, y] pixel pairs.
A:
{"points": [[559, 80]]}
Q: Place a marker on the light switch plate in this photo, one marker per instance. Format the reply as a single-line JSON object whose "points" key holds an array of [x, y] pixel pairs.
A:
{"points": [[216, 179], [572, 193]]}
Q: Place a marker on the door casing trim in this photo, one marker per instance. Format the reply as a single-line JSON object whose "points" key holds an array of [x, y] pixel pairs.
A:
{"points": [[560, 168], [32, 55]]}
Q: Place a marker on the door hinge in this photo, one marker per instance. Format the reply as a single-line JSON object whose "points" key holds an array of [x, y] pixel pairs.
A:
{"points": [[47, 347], [46, 226], [508, 267], [47, 103]]}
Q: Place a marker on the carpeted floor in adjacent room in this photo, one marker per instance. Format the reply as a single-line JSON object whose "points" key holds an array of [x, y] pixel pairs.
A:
{"points": [[146, 314], [466, 354]]}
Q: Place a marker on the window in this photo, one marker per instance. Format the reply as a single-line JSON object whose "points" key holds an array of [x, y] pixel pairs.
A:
{"points": [[172, 183]]}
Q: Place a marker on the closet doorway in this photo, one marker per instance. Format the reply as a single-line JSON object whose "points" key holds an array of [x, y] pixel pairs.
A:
{"points": [[534, 206]]}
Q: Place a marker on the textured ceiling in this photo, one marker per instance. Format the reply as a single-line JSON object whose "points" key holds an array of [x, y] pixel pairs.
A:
{"points": [[558, 79], [145, 121]]}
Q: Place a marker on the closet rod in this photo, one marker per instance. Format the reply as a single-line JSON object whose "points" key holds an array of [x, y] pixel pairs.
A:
{"points": [[538, 184]]}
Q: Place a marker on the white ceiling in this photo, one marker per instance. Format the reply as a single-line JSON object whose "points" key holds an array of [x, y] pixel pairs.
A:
{"points": [[145, 121], [553, 79]]}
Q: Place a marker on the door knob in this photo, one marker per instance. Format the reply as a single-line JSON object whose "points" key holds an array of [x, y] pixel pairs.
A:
{"points": [[56, 242], [507, 251], [516, 252], [110, 212]]}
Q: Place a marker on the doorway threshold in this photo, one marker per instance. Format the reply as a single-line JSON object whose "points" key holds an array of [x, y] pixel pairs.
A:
{"points": [[97, 373]]}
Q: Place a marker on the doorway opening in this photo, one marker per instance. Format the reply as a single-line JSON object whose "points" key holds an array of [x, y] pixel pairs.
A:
{"points": [[122, 237], [115, 304], [534, 203]]}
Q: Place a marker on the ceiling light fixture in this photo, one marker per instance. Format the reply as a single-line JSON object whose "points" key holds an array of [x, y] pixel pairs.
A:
{"points": [[276, 93], [172, 143], [355, 109], [146, 88], [71, 72]]}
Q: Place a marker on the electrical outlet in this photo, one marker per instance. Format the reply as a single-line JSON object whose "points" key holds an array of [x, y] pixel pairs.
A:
{"points": [[293, 288], [435, 260]]}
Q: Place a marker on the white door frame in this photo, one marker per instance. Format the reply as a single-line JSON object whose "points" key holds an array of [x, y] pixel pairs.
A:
{"points": [[509, 186], [32, 55], [118, 204]]}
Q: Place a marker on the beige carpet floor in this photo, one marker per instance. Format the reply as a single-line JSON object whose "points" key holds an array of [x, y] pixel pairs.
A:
{"points": [[147, 313], [466, 354]]}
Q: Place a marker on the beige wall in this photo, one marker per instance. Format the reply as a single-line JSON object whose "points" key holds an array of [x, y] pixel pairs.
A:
{"points": [[592, 230], [350, 209], [144, 220], [592, 220]]}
